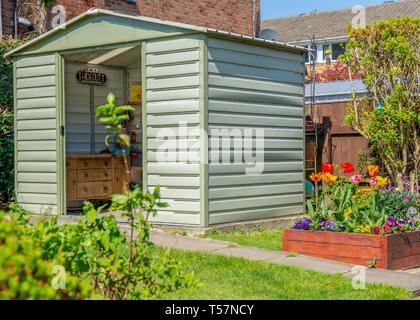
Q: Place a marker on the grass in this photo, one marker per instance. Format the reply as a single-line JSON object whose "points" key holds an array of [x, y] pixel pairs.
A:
{"points": [[259, 238], [229, 278]]}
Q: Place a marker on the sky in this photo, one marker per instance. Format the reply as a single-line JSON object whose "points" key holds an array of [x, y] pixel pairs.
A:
{"points": [[272, 9]]}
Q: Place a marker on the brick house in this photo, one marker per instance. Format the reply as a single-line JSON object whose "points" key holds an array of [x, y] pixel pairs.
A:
{"points": [[236, 16]]}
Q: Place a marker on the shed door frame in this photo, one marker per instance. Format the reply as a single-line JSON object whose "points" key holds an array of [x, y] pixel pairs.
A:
{"points": [[61, 139], [61, 118]]}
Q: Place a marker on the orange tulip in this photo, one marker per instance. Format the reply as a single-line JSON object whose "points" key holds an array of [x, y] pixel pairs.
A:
{"points": [[329, 177], [373, 170], [316, 177]]}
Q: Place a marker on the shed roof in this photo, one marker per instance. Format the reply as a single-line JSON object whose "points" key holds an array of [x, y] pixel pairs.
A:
{"points": [[120, 28], [332, 24]]}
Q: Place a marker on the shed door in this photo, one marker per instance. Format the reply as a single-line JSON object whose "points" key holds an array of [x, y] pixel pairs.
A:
{"points": [[38, 152]]}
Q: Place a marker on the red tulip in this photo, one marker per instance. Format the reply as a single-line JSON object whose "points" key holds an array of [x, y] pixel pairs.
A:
{"points": [[327, 168], [347, 167]]}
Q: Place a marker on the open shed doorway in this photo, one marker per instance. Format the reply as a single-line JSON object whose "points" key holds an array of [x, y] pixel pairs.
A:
{"points": [[94, 170]]}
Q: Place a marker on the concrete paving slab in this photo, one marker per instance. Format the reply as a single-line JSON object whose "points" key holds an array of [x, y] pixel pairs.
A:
{"points": [[316, 264], [186, 243], [414, 271], [400, 279]]}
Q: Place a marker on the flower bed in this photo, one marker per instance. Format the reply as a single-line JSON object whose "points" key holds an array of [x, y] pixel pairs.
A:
{"points": [[359, 220], [393, 251]]}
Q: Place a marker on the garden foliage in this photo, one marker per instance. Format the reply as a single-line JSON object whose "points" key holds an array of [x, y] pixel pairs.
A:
{"points": [[359, 204], [96, 251], [336, 72], [25, 272], [387, 55]]}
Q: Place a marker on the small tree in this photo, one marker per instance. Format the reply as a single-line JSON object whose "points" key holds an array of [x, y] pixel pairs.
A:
{"points": [[387, 54]]}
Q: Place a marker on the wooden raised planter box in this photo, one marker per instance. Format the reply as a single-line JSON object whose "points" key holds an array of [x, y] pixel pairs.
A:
{"points": [[393, 252]]}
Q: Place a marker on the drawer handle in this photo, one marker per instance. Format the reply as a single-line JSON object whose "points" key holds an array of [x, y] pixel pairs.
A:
{"points": [[106, 163], [106, 188], [106, 174], [86, 189], [67, 164], [86, 175], [86, 164]]}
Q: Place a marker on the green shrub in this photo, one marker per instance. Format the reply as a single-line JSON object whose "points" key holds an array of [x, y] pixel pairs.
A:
{"points": [[24, 274], [398, 201], [117, 265], [7, 181]]}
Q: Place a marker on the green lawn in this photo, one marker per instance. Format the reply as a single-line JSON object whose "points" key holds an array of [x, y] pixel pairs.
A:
{"points": [[224, 278], [265, 239]]}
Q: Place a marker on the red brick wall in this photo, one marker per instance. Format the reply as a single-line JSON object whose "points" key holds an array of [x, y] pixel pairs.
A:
{"points": [[227, 15]]}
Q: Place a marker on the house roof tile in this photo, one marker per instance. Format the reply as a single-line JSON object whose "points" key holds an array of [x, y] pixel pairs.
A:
{"points": [[332, 24]]}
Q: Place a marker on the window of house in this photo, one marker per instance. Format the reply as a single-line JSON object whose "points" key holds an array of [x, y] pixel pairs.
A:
{"points": [[307, 55], [337, 50], [325, 47], [310, 56]]}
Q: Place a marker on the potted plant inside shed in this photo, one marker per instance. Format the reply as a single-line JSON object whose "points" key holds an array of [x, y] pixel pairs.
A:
{"points": [[359, 220]]}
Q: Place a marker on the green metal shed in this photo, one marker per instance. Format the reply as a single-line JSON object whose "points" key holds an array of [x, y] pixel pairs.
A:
{"points": [[220, 88]]}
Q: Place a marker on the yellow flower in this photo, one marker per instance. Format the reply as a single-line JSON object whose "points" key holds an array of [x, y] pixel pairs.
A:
{"points": [[329, 177], [316, 177], [347, 213], [364, 190], [354, 197], [362, 229], [381, 181]]}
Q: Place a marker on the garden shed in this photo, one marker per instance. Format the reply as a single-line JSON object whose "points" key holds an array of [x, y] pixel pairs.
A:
{"points": [[219, 120]]}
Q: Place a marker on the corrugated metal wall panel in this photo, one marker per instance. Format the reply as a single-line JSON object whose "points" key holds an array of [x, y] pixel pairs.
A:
{"points": [[36, 133], [255, 88], [172, 95]]}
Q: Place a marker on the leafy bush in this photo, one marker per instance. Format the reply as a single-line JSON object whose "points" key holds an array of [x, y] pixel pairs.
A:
{"points": [[336, 72], [398, 201], [7, 180], [387, 55], [24, 274], [96, 250]]}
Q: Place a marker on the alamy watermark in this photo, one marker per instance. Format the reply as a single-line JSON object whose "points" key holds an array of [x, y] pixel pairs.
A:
{"points": [[59, 281], [359, 20], [59, 16], [359, 277], [183, 145]]}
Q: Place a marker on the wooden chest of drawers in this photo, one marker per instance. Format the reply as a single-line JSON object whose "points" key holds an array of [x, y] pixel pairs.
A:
{"points": [[94, 177]]}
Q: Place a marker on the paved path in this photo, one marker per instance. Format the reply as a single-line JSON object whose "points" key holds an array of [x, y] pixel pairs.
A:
{"points": [[408, 280]]}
